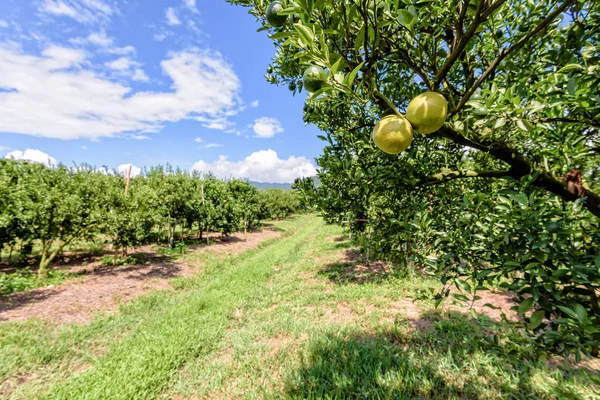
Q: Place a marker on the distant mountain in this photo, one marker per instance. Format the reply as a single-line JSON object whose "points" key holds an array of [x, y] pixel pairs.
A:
{"points": [[284, 186], [268, 185]]}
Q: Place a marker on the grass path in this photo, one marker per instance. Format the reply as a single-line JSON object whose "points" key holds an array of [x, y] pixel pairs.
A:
{"points": [[277, 322]]}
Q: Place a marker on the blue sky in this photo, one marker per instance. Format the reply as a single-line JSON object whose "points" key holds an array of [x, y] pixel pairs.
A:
{"points": [[113, 82]]}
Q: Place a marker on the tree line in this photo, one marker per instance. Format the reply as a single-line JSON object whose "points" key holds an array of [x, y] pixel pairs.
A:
{"points": [[51, 208]]}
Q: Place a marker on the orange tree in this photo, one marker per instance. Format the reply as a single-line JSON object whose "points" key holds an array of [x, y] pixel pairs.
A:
{"points": [[502, 194]]}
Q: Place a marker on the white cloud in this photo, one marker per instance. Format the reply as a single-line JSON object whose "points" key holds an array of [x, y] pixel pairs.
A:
{"points": [[99, 39], [34, 156], [254, 104], [4, 148], [140, 137], [159, 37], [121, 50], [140, 75], [213, 145], [127, 67], [135, 171], [198, 140], [83, 11], [120, 64], [172, 17], [3, 24], [267, 127], [70, 101], [96, 38], [84, 147], [191, 4], [261, 166], [57, 58]]}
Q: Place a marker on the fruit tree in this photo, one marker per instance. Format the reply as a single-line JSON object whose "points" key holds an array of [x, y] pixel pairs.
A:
{"points": [[496, 186]]}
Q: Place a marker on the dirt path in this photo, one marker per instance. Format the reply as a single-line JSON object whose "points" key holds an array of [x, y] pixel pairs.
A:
{"points": [[103, 289]]}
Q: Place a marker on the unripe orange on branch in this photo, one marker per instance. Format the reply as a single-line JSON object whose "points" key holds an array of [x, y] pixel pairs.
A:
{"points": [[393, 134], [427, 112]]}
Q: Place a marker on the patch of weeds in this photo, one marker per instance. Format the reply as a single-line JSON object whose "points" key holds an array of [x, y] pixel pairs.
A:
{"points": [[178, 250], [112, 261], [26, 279]]}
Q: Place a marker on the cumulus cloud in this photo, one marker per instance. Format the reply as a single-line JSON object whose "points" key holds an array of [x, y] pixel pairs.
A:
{"points": [[261, 166], [99, 39], [191, 4], [255, 104], [135, 171], [172, 18], [198, 140], [71, 101], [82, 11], [213, 145], [267, 127], [127, 67], [121, 51], [120, 64], [34, 156]]}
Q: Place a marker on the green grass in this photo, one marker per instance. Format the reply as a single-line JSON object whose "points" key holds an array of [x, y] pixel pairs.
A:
{"points": [[278, 322], [26, 279]]}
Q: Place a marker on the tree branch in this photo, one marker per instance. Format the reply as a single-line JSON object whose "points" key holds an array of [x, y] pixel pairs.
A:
{"points": [[462, 43], [447, 175], [520, 166], [503, 53]]}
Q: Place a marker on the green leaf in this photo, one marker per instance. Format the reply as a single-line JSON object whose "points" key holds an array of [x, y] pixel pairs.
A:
{"points": [[524, 125], [306, 34], [406, 19], [536, 319], [281, 35], [349, 80], [500, 122], [569, 312], [336, 67], [525, 305], [581, 312]]}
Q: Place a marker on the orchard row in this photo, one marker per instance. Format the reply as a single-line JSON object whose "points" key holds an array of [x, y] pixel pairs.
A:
{"points": [[51, 208]]}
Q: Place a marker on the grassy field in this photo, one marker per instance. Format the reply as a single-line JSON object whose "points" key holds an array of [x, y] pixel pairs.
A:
{"points": [[280, 321]]}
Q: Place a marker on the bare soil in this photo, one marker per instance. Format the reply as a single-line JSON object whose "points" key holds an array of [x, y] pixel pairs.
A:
{"points": [[102, 288]]}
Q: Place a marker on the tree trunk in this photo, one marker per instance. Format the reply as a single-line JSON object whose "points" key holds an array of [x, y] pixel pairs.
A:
{"points": [[171, 236], [44, 262]]}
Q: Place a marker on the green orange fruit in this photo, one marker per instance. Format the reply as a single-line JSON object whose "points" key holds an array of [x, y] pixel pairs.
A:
{"points": [[427, 112], [273, 17], [393, 134], [314, 78]]}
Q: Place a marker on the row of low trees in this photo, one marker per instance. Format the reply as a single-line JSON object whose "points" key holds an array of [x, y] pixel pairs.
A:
{"points": [[53, 207], [503, 194]]}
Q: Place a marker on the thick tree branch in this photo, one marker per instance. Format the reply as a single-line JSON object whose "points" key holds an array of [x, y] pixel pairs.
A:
{"points": [[503, 53], [447, 175], [520, 166]]}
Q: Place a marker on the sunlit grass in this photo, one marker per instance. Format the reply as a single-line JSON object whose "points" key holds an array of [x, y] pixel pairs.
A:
{"points": [[273, 323]]}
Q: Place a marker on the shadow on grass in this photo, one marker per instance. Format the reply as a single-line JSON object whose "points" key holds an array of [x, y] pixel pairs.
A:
{"points": [[450, 358], [354, 268]]}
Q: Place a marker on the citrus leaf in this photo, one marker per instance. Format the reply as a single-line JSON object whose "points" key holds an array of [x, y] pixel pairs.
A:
{"points": [[525, 305], [569, 312], [352, 75], [336, 67], [306, 34], [581, 313], [281, 35], [536, 319], [524, 125]]}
